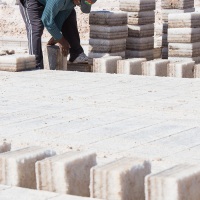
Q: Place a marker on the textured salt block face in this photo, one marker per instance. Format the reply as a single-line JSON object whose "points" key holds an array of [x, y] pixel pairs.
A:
{"points": [[140, 43], [108, 32], [181, 69], [130, 66], [18, 167], [155, 68], [148, 54], [53, 59], [108, 18], [183, 59], [184, 20], [68, 173], [141, 30], [106, 64], [17, 62], [137, 5], [177, 4], [197, 71], [186, 35], [120, 180], [107, 46], [178, 183]]}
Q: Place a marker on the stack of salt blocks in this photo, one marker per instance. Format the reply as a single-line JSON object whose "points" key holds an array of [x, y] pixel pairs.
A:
{"points": [[170, 7], [141, 18], [108, 33]]}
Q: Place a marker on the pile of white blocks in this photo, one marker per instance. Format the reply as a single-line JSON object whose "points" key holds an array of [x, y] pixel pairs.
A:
{"points": [[141, 18], [68, 173], [108, 33], [17, 62], [178, 183], [184, 37], [120, 180], [172, 7]]}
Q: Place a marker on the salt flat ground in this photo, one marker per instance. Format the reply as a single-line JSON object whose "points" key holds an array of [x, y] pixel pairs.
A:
{"points": [[114, 115]]}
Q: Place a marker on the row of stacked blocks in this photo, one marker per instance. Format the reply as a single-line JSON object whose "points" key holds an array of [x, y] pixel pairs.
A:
{"points": [[172, 7], [77, 173]]}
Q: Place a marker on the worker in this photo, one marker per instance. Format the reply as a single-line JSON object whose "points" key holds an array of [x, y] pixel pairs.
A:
{"points": [[59, 18]]}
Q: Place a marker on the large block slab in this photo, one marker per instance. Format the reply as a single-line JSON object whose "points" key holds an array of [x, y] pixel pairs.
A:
{"points": [[130, 66], [186, 35], [155, 67], [107, 46], [108, 32], [181, 69], [184, 20], [17, 62], [120, 180], [137, 5], [108, 18], [106, 64], [141, 30], [177, 4], [68, 173], [139, 43], [178, 183], [17, 168], [53, 59]]}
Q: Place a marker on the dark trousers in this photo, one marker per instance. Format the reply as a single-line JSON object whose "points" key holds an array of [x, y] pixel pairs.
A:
{"points": [[31, 11]]}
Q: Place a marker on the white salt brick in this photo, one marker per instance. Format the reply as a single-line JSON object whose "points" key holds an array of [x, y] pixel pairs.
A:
{"points": [[107, 46], [106, 64], [120, 180], [53, 59], [184, 59], [108, 32], [178, 183], [18, 167], [141, 30], [137, 5], [184, 20], [155, 68], [68, 173], [186, 35], [181, 69], [139, 43], [177, 4], [197, 71], [130, 66], [108, 18], [17, 62]]}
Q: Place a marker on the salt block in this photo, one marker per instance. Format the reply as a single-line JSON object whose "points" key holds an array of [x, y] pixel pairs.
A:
{"points": [[130, 66], [184, 20], [17, 62], [108, 32], [120, 180], [177, 183], [137, 5], [106, 64], [186, 35], [177, 4], [178, 59], [155, 67], [108, 18], [53, 59], [141, 30], [18, 167], [141, 18], [184, 49], [197, 71], [181, 69], [79, 67], [67, 173], [107, 46], [139, 43]]}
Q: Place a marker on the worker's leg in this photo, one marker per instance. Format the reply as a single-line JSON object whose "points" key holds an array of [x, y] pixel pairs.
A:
{"points": [[31, 12], [71, 34]]}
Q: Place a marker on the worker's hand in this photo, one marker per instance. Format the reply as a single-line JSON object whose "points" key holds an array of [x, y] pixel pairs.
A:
{"points": [[64, 46], [52, 42], [77, 2]]}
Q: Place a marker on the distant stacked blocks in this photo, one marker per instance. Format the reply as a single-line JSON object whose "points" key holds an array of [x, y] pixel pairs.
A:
{"points": [[184, 37], [141, 18], [108, 33], [170, 7]]}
